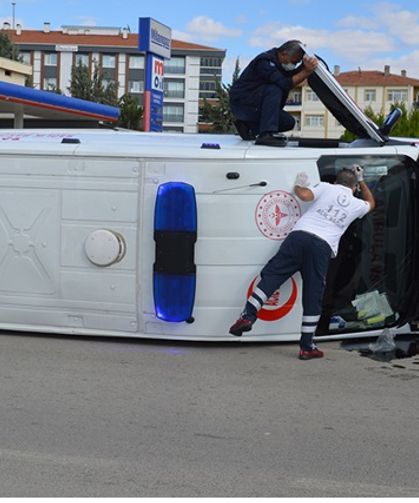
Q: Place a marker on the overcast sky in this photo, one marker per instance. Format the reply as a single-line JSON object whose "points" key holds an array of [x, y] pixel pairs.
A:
{"points": [[349, 33]]}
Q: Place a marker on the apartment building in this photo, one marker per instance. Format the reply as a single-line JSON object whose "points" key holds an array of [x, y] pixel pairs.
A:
{"points": [[14, 71], [189, 75], [374, 89]]}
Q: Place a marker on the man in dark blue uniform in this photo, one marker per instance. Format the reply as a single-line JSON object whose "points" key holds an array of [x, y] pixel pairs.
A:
{"points": [[258, 97]]}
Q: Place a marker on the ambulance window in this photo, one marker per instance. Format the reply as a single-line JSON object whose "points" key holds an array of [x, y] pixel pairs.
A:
{"points": [[368, 282]]}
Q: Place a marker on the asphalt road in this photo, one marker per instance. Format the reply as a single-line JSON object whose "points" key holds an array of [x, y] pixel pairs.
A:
{"points": [[85, 417]]}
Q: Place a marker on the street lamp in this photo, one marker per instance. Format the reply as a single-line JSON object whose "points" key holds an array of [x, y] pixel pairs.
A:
{"points": [[13, 14]]}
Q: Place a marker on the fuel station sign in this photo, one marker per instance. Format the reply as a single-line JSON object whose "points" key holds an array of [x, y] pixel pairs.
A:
{"points": [[155, 40]]}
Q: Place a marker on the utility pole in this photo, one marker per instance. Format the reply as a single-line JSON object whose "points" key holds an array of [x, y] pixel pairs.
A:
{"points": [[13, 14]]}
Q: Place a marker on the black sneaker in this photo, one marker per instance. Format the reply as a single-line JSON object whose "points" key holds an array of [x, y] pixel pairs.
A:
{"points": [[271, 140], [244, 130]]}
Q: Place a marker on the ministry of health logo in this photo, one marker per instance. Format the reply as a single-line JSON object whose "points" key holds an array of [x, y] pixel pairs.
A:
{"points": [[276, 214]]}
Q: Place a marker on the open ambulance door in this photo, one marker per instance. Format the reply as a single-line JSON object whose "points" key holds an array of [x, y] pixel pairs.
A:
{"points": [[373, 282]]}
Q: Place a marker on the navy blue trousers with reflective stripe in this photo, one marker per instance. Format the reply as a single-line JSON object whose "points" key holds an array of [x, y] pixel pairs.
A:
{"points": [[304, 252], [262, 110]]}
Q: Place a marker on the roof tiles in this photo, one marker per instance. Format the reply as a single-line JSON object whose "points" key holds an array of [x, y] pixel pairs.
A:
{"points": [[374, 78], [60, 38]]}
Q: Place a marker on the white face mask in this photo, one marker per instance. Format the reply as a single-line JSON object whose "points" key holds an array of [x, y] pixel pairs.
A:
{"points": [[289, 66]]}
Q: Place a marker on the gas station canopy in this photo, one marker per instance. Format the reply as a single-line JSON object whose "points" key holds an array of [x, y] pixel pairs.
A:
{"points": [[21, 101]]}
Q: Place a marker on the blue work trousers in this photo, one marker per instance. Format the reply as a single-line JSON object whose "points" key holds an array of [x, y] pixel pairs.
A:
{"points": [[304, 252], [262, 110]]}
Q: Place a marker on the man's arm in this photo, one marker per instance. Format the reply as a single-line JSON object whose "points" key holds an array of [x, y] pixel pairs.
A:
{"points": [[366, 194], [365, 191], [309, 65], [303, 193]]}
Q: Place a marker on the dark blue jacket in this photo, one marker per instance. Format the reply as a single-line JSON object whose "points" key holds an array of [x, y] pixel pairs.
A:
{"points": [[262, 70]]}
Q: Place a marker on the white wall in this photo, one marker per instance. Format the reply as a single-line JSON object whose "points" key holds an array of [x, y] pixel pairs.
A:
{"points": [[65, 71], [121, 74], [37, 69], [191, 94]]}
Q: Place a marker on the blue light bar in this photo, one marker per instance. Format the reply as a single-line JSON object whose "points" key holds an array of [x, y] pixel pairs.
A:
{"points": [[174, 296], [175, 233], [175, 208]]}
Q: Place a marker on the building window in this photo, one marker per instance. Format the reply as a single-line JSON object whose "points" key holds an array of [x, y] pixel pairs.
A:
{"points": [[173, 129], [26, 58], [174, 88], [207, 85], [50, 59], [50, 84], [173, 113], [314, 120], [294, 98], [135, 86], [311, 95], [207, 89], [136, 62], [82, 59], [108, 82], [394, 95], [210, 61], [108, 61], [175, 65], [369, 95]]}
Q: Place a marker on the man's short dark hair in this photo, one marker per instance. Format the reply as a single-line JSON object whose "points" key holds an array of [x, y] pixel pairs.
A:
{"points": [[292, 48], [347, 178]]}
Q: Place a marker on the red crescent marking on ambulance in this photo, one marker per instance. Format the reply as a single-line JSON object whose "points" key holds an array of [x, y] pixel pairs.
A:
{"points": [[281, 311]]}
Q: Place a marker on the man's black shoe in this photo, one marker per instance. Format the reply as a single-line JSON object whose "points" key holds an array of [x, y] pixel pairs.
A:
{"points": [[244, 130], [270, 140]]}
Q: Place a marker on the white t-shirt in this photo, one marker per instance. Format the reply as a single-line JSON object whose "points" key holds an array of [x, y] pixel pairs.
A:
{"points": [[334, 208]]}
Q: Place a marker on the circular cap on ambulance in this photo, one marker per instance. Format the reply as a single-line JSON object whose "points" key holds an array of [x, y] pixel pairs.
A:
{"points": [[104, 247]]}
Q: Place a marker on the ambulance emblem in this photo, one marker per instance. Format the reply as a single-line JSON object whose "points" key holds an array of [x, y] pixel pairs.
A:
{"points": [[276, 214], [280, 303]]}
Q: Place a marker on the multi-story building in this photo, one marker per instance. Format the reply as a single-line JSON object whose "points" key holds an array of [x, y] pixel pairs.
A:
{"points": [[14, 71], [189, 74], [374, 89]]}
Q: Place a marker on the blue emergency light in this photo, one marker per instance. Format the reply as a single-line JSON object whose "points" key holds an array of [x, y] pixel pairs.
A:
{"points": [[175, 233]]}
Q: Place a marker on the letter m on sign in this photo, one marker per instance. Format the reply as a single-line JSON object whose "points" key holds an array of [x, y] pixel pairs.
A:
{"points": [[158, 67]]}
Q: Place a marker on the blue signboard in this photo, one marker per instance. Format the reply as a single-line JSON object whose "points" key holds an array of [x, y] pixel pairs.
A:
{"points": [[155, 39]]}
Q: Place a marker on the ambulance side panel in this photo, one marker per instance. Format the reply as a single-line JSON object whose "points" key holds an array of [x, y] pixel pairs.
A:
{"points": [[230, 249], [49, 205]]}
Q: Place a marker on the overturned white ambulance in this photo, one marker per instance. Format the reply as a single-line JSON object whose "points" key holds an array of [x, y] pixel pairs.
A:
{"points": [[117, 233]]}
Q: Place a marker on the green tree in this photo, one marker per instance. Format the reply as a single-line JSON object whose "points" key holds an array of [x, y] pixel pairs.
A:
{"points": [[218, 114], [92, 88], [407, 125], [8, 49], [80, 83], [131, 113]]}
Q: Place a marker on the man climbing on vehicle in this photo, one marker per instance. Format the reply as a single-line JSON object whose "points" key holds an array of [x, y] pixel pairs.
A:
{"points": [[308, 249], [258, 96]]}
